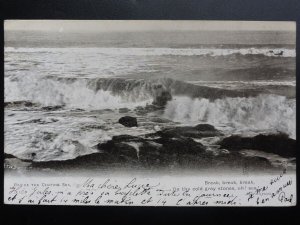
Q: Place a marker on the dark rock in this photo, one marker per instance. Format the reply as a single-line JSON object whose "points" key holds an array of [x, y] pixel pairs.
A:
{"points": [[279, 53], [160, 152], [52, 108], [122, 147], [161, 97], [237, 160], [124, 110], [180, 145], [9, 156], [126, 138], [150, 154], [199, 131], [205, 127], [19, 104], [147, 109], [279, 144], [85, 161], [128, 121], [167, 150], [258, 161]]}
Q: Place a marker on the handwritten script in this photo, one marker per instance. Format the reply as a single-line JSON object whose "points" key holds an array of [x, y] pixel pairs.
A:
{"points": [[132, 191]]}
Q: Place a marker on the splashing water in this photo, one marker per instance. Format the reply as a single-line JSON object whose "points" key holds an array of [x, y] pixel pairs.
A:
{"points": [[254, 113]]}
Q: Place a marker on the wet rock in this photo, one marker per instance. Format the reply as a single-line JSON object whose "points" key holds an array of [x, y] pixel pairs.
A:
{"points": [[161, 152], [199, 131], [279, 144], [149, 152], [124, 110], [205, 127], [86, 161], [147, 109], [237, 160], [19, 104], [126, 138], [128, 121], [123, 147], [52, 108], [9, 156], [162, 97], [180, 145], [258, 161]]}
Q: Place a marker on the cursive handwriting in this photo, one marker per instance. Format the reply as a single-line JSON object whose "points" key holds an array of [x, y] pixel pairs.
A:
{"points": [[153, 192]]}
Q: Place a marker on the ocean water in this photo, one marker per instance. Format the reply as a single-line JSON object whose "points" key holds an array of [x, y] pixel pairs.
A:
{"points": [[64, 93]]}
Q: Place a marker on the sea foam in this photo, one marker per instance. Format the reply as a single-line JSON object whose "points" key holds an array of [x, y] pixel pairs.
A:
{"points": [[263, 112]]}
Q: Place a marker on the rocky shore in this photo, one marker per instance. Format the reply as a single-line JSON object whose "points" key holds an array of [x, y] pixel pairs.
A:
{"points": [[176, 147]]}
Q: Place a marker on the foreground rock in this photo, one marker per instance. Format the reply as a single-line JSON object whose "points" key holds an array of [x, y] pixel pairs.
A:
{"points": [[176, 147], [279, 144], [171, 148], [94, 160], [167, 146], [126, 151], [160, 151], [237, 160], [199, 131], [128, 121]]}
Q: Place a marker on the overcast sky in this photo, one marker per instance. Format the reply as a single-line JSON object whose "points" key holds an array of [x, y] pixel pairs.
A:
{"points": [[144, 25]]}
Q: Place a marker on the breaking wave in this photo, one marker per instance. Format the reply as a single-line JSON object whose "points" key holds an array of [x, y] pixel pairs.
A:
{"points": [[102, 93], [263, 112], [272, 52], [244, 110], [77, 94]]}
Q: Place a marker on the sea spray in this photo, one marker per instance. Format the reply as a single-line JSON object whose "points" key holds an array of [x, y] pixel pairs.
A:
{"points": [[75, 94], [263, 112]]}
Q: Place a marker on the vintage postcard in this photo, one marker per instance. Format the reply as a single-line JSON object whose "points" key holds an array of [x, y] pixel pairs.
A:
{"points": [[150, 113]]}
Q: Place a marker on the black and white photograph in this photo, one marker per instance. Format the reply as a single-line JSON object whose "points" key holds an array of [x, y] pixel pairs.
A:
{"points": [[157, 100]]}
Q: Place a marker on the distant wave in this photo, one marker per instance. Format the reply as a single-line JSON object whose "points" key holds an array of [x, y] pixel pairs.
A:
{"points": [[244, 83], [263, 112], [272, 52]]}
